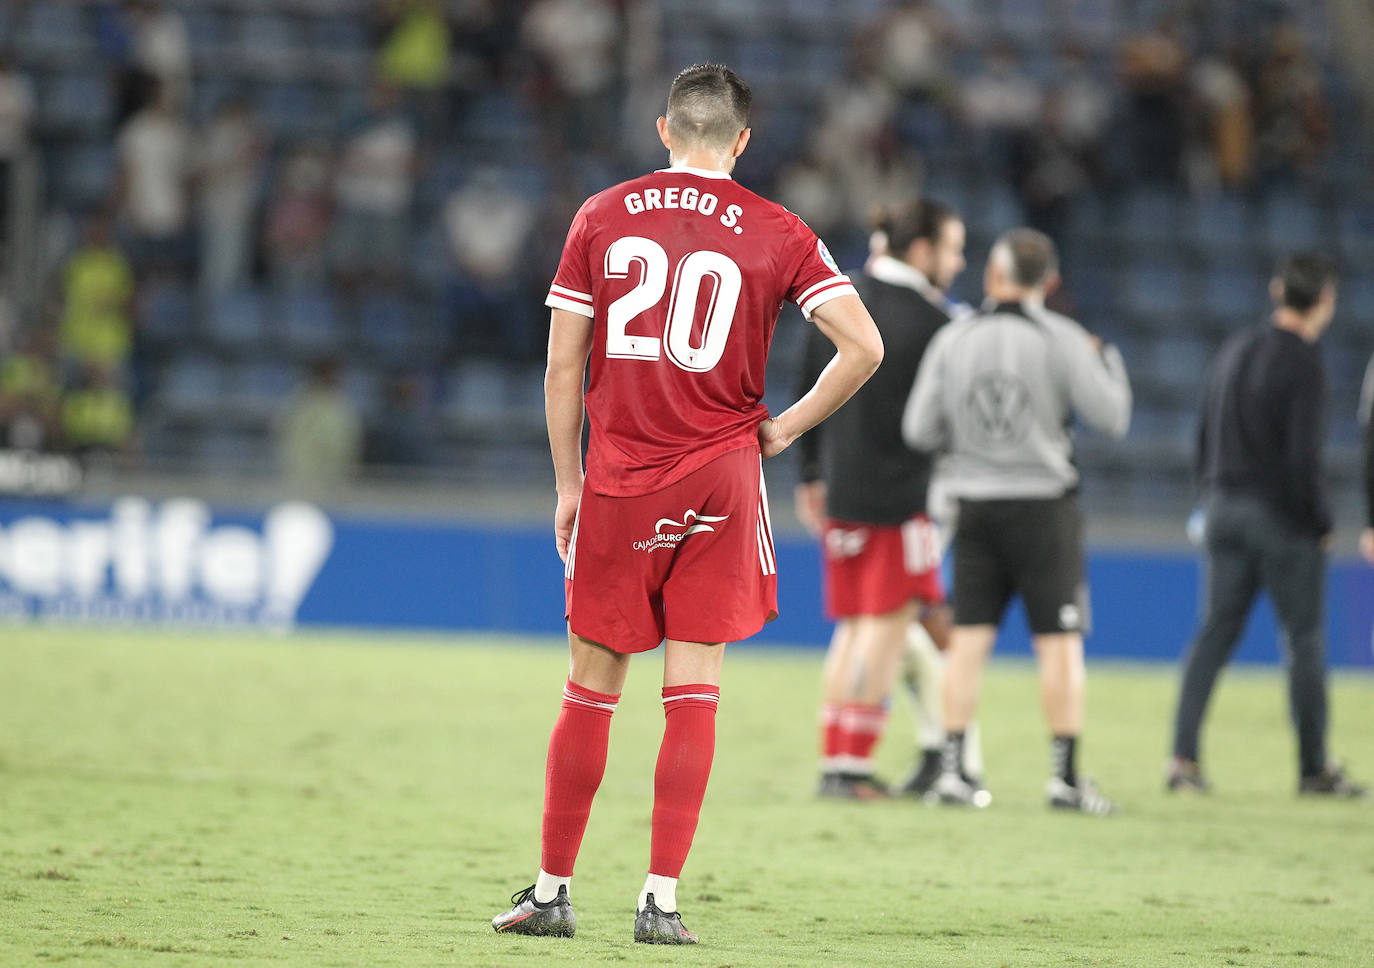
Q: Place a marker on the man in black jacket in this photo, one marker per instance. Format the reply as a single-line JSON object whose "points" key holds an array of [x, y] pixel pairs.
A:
{"points": [[864, 492], [1268, 519]]}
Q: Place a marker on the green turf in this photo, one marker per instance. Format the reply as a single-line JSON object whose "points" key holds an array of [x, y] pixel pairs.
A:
{"points": [[179, 800]]}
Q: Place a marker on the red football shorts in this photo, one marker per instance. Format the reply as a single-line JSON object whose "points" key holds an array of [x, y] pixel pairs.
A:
{"points": [[693, 561], [873, 569]]}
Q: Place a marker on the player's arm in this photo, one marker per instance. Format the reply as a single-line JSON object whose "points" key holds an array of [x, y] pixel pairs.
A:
{"points": [[923, 420], [570, 343], [858, 351], [1098, 385], [810, 492]]}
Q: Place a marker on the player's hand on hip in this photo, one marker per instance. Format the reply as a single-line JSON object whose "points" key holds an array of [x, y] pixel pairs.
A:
{"points": [[772, 439], [563, 519]]}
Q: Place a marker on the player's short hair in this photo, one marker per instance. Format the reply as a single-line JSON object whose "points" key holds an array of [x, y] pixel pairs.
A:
{"points": [[903, 224], [708, 104], [1029, 257], [1301, 277]]}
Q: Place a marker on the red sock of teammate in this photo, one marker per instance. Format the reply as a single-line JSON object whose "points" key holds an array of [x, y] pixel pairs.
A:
{"points": [[684, 765], [860, 726], [577, 760], [832, 735]]}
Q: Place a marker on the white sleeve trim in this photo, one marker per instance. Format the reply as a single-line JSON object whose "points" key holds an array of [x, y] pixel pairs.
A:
{"points": [[560, 302], [801, 300], [585, 297], [825, 295]]}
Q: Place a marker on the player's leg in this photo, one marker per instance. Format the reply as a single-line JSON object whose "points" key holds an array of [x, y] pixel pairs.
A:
{"points": [[691, 694], [1231, 582], [837, 673], [573, 770], [879, 647]]}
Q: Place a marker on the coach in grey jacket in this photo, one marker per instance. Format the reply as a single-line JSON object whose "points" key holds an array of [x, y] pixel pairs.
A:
{"points": [[996, 394]]}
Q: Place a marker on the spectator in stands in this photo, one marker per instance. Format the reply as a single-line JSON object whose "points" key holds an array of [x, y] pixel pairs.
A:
{"points": [[97, 414], [160, 46], [1154, 70], [574, 44], [905, 47], [16, 112], [97, 301], [374, 189], [1292, 122], [320, 434], [415, 57], [1223, 99], [488, 227], [231, 150], [1001, 102], [29, 393], [298, 217], [398, 437], [154, 155]]}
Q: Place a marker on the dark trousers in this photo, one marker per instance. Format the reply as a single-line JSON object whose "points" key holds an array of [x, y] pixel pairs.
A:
{"points": [[1249, 548]]}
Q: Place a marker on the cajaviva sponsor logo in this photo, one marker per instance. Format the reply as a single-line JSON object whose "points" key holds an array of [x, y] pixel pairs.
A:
{"points": [[666, 534], [164, 563]]}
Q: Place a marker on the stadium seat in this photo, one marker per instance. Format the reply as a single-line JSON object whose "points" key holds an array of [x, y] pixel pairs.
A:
{"points": [[291, 109], [236, 317], [191, 385], [268, 41], [259, 389], [1150, 218], [1290, 222], [56, 31], [76, 101], [1155, 292], [1221, 223], [1095, 23], [388, 328], [306, 321], [166, 312], [1234, 292], [206, 30], [1355, 230], [1028, 22], [476, 393], [84, 174]]}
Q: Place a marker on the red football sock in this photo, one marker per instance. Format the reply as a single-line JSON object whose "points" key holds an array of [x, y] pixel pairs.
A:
{"points": [[832, 736], [684, 765], [861, 726], [577, 760]]}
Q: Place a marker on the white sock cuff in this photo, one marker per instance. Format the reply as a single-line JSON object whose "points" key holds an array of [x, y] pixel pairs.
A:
{"points": [[546, 886]]}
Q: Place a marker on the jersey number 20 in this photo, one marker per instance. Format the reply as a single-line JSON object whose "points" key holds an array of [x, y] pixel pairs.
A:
{"points": [[691, 272]]}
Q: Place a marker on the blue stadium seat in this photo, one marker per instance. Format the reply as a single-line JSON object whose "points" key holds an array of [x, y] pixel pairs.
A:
{"points": [[1355, 301], [228, 449], [56, 30], [76, 100], [1234, 291], [1150, 217], [477, 392], [236, 317], [306, 320], [206, 30], [1028, 22], [192, 385], [1221, 223], [84, 174], [362, 386], [346, 35], [388, 327], [1155, 290], [1290, 222], [1355, 228], [291, 108], [260, 389], [1176, 362], [166, 311], [268, 40], [1095, 23]]}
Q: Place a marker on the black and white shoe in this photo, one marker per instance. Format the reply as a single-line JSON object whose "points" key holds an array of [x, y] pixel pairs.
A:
{"points": [[957, 790], [1332, 782], [652, 926], [1083, 798], [923, 777], [554, 919]]}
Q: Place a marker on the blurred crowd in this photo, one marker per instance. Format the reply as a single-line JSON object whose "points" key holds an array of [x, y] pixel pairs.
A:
{"points": [[480, 125]]}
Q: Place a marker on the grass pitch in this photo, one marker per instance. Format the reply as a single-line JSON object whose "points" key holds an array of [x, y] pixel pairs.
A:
{"points": [[175, 800]]}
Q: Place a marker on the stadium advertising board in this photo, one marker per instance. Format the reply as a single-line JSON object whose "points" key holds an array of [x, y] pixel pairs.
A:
{"points": [[181, 562]]}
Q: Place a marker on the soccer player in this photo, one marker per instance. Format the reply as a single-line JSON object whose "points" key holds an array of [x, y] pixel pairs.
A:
{"points": [[996, 392], [863, 492], [669, 289]]}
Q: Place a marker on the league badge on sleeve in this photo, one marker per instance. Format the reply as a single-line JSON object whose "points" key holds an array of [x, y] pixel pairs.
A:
{"points": [[827, 258]]}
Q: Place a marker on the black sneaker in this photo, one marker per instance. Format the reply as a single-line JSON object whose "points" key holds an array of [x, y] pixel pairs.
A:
{"points": [[554, 919], [652, 926], [1185, 776], [852, 786], [1332, 782], [924, 776], [1084, 798]]}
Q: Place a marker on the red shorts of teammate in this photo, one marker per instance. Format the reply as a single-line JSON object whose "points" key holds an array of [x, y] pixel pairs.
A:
{"points": [[873, 569], [693, 561]]}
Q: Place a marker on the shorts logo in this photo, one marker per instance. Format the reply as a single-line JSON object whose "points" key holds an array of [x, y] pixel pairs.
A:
{"points": [[691, 523]]}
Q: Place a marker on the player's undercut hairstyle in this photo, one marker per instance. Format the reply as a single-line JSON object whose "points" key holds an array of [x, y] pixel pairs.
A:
{"points": [[1302, 276], [1028, 256], [903, 224], [708, 104]]}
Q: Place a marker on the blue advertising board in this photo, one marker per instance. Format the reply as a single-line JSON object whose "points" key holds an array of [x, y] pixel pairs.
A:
{"points": [[182, 562]]}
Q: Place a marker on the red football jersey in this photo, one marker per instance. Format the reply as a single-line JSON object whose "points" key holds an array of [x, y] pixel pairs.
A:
{"points": [[684, 273]]}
